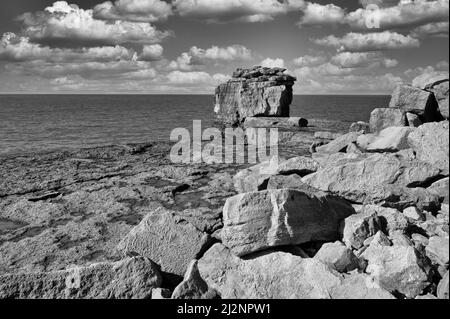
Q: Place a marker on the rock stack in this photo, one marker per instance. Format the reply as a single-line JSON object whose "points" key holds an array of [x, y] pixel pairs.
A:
{"points": [[258, 91]]}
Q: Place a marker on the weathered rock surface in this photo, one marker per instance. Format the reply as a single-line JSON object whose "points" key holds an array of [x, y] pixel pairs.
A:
{"points": [[415, 100], [431, 144], [260, 220], [300, 165], [438, 250], [274, 275], [281, 122], [360, 126], [442, 290], [359, 286], [441, 187], [377, 178], [193, 286], [293, 181], [167, 239], [255, 178], [338, 257], [390, 139], [254, 92], [413, 120], [439, 85], [359, 227], [129, 278], [397, 269], [339, 144], [382, 118]]}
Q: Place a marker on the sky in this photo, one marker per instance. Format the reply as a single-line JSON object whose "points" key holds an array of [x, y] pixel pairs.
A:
{"points": [[191, 46]]}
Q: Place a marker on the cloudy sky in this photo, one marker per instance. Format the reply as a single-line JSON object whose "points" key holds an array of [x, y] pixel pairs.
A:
{"points": [[189, 46]]}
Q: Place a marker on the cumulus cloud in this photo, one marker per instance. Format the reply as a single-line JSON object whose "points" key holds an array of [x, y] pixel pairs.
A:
{"points": [[273, 63], [64, 22], [363, 59], [194, 78], [133, 10], [15, 49], [360, 42], [438, 29], [317, 14], [230, 53], [152, 52], [309, 60], [406, 13], [236, 10]]}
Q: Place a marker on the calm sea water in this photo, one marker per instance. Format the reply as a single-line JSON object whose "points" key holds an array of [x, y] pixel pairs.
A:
{"points": [[41, 122]]}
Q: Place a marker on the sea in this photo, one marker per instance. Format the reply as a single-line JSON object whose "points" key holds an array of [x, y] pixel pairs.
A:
{"points": [[35, 123]]}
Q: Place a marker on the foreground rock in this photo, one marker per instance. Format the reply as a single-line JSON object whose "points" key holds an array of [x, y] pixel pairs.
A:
{"points": [[281, 122], [260, 220], [416, 101], [275, 275], [431, 144], [130, 278], [253, 92], [391, 139], [360, 286], [338, 257], [167, 239], [377, 178], [193, 286]]}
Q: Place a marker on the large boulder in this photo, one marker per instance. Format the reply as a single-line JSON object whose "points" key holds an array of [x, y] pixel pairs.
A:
{"points": [[260, 220], [339, 144], [431, 144], [167, 239], [276, 275], [131, 278], [390, 139], [254, 92], [415, 100], [439, 85], [382, 118], [397, 269], [387, 179]]}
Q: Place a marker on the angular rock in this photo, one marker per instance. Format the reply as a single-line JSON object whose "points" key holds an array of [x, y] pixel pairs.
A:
{"points": [[415, 100], [360, 126], [339, 144], [193, 286], [131, 278], [382, 118], [413, 213], [438, 250], [290, 181], [260, 220], [255, 178], [274, 275], [253, 94], [439, 85], [398, 269], [442, 290], [357, 228], [390, 139], [338, 257], [387, 179], [167, 239], [282, 122], [380, 239], [301, 165], [413, 120], [352, 148], [360, 286], [391, 219], [441, 188], [431, 144]]}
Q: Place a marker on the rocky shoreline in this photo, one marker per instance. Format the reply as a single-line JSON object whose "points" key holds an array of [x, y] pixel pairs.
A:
{"points": [[362, 214]]}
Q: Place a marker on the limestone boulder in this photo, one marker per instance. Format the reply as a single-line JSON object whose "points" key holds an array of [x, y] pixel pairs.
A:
{"points": [[193, 286], [167, 239], [382, 118], [275, 275], [441, 187], [255, 178], [131, 278], [360, 126], [360, 286], [357, 228], [339, 144], [390, 139], [438, 250], [260, 220], [338, 256], [431, 144], [300, 165]]}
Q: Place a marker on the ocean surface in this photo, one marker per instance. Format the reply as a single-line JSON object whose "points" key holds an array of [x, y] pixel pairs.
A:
{"points": [[31, 123]]}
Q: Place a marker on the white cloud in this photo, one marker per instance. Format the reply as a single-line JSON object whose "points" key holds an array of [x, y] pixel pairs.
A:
{"points": [[360, 42], [230, 53], [317, 14], [152, 52], [133, 10], [236, 10], [195, 78], [309, 60], [362, 59], [67, 22], [437, 29], [406, 13], [273, 63]]}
